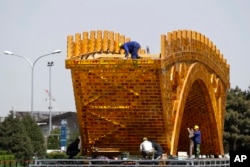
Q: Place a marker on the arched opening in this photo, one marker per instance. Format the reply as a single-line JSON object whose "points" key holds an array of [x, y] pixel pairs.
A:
{"points": [[198, 110]]}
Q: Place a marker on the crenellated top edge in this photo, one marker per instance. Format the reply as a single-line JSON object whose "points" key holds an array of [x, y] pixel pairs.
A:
{"points": [[187, 36], [96, 42]]}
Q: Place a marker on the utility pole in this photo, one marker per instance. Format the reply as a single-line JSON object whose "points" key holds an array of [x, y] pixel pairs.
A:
{"points": [[32, 65], [50, 64]]}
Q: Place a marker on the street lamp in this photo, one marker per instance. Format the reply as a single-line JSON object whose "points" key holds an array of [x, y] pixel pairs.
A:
{"points": [[50, 64], [32, 65]]}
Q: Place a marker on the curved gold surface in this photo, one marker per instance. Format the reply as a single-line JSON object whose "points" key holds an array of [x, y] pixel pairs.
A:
{"points": [[119, 101]]}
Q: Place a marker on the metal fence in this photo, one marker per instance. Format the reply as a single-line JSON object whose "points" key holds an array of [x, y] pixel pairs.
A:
{"points": [[208, 162]]}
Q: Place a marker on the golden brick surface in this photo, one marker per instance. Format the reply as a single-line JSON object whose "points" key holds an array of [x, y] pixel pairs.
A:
{"points": [[119, 101]]}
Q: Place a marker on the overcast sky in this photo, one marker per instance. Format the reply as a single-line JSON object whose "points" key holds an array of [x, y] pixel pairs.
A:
{"points": [[33, 28]]}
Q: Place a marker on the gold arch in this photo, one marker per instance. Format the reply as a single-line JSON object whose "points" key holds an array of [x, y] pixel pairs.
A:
{"points": [[197, 75], [119, 101]]}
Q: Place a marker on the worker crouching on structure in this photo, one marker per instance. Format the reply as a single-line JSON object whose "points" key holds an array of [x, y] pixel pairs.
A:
{"points": [[157, 150], [146, 148], [132, 48]]}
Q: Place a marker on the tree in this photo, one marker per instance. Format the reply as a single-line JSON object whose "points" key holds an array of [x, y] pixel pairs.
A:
{"points": [[14, 138], [237, 122], [35, 134], [54, 139]]}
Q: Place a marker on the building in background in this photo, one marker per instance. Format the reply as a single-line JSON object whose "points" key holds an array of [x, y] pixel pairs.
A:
{"points": [[42, 119]]}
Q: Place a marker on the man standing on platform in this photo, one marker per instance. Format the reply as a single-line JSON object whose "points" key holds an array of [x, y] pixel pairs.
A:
{"points": [[197, 141]]}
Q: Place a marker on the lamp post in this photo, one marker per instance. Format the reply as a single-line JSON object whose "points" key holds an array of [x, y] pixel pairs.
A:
{"points": [[50, 64], [32, 65]]}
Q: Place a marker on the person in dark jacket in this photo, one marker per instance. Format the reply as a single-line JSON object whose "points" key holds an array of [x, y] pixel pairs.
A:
{"points": [[197, 141], [157, 150], [132, 48], [73, 148]]}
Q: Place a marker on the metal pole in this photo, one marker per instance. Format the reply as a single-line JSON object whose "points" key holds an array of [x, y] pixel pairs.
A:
{"points": [[32, 65], [50, 64], [32, 91]]}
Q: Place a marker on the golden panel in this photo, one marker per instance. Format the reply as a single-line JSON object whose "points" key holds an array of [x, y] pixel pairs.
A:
{"points": [[119, 101]]}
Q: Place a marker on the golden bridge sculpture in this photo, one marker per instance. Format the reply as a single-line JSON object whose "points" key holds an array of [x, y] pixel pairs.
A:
{"points": [[119, 101]]}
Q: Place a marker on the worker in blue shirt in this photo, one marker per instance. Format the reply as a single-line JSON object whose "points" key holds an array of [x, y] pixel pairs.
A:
{"points": [[132, 48], [197, 141]]}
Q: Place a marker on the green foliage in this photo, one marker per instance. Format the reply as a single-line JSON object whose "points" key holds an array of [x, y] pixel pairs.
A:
{"points": [[7, 157], [35, 134], [4, 155], [21, 137], [237, 120], [54, 140], [3, 152], [14, 138], [56, 155]]}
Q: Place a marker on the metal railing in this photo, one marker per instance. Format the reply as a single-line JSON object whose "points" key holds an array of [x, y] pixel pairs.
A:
{"points": [[206, 162]]}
